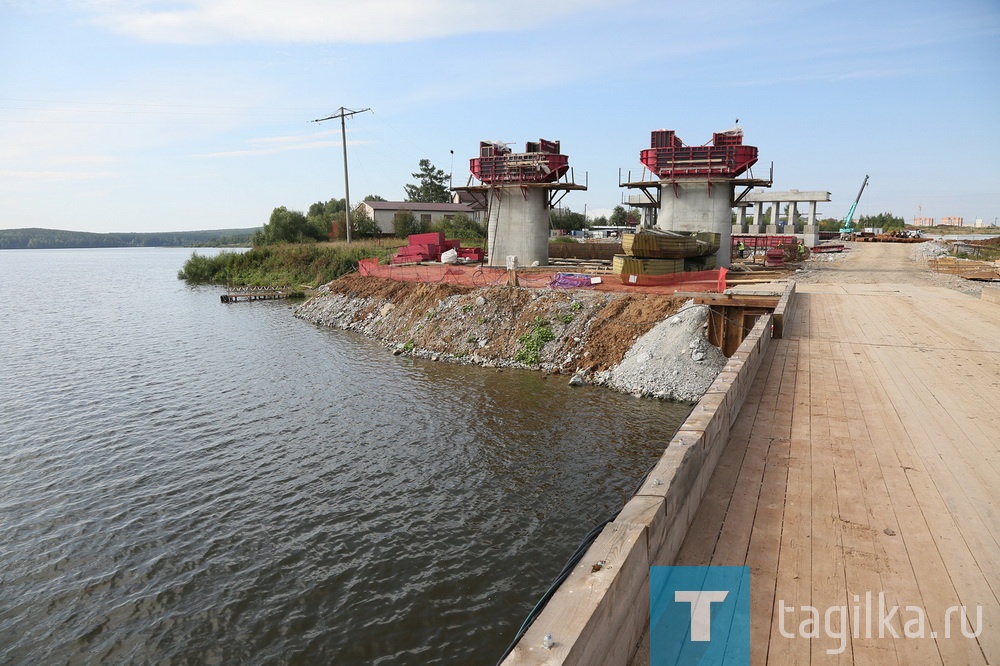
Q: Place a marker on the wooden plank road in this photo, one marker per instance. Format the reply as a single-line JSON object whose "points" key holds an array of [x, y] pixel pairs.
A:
{"points": [[862, 475]]}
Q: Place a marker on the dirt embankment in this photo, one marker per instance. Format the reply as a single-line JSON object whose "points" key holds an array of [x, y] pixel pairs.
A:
{"points": [[591, 331]]}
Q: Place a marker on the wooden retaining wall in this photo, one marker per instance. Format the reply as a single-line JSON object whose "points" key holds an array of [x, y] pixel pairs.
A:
{"points": [[599, 614]]}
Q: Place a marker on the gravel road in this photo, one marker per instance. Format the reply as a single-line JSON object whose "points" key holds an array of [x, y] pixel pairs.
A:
{"points": [[878, 263]]}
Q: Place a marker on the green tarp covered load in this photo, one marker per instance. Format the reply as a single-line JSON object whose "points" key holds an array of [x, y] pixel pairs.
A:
{"points": [[657, 244]]}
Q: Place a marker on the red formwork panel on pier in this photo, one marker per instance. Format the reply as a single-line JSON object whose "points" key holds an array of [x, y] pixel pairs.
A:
{"points": [[726, 157], [541, 162]]}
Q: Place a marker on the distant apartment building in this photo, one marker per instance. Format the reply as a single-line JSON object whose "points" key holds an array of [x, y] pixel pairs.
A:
{"points": [[951, 221], [923, 221], [979, 223]]}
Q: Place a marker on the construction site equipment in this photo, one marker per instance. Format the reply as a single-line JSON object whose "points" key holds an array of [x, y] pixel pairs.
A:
{"points": [[847, 228]]}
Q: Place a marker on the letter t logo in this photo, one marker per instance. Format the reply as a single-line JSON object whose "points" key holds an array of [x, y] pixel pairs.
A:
{"points": [[701, 610]]}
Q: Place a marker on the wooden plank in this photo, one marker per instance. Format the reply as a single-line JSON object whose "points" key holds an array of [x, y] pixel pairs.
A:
{"points": [[765, 542], [716, 326], [912, 428], [699, 545], [891, 503], [739, 300], [828, 577], [733, 335], [794, 572], [949, 506]]}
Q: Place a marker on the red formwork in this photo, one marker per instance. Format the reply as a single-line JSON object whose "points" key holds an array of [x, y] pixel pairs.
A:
{"points": [[754, 241], [541, 162], [726, 157], [475, 275], [429, 246]]}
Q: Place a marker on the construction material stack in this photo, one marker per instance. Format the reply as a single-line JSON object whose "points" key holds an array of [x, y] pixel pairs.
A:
{"points": [[654, 252], [430, 247]]}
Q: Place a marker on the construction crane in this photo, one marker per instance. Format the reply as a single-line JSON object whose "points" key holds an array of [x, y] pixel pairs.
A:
{"points": [[848, 227]]}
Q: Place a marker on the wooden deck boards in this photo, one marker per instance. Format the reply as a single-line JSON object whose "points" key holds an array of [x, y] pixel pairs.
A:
{"points": [[867, 460]]}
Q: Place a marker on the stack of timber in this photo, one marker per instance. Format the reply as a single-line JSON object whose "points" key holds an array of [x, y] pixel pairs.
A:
{"points": [[626, 265], [966, 268], [582, 265], [655, 252]]}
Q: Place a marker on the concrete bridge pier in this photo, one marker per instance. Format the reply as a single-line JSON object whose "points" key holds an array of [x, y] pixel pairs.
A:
{"points": [[518, 226], [699, 206]]}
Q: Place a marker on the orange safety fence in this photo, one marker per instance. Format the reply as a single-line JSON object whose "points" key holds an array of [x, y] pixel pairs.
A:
{"points": [[475, 275]]}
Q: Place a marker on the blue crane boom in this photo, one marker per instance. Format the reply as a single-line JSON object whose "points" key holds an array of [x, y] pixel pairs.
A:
{"points": [[848, 225]]}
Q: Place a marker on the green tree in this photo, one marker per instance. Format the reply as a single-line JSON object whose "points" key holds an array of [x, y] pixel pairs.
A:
{"points": [[619, 217], [404, 223], [326, 207], [431, 187], [321, 217], [566, 219], [460, 226], [883, 220], [362, 224], [286, 226], [830, 224], [373, 197]]}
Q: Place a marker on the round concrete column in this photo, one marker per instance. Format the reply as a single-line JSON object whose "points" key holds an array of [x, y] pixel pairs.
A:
{"points": [[690, 207], [518, 225]]}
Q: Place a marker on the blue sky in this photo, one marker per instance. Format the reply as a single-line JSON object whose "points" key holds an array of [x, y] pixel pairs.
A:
{"points": [[160, 115]]}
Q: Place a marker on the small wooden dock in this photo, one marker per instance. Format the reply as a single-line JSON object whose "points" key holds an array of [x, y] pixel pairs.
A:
{"points": [[237, 294], [866, 460]]}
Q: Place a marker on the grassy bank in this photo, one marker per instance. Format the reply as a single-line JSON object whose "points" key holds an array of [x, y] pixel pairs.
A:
{"points": [[300, 264]]}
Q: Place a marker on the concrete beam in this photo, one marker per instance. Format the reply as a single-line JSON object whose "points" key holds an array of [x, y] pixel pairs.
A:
{"points": [[787, 197]]}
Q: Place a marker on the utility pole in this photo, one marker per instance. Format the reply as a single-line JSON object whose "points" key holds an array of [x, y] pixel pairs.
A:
{"points": [[342, 114]]}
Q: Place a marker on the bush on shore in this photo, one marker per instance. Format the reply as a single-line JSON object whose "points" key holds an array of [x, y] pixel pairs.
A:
{"points": [[298, 264]]}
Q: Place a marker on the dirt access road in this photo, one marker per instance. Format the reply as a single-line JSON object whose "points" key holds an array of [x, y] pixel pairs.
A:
{"points": [[882, 263]]}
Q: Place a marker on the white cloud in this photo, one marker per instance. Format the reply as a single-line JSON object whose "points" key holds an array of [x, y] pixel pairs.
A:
{"points": [[282, 144], [323, 21], [52, 176]]}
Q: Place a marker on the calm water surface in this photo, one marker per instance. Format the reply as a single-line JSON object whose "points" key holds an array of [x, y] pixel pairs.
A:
{"points": [[187, 482]]}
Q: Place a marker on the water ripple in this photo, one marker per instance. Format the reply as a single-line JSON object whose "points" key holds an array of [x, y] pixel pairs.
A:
{"points": [[192, 483]]}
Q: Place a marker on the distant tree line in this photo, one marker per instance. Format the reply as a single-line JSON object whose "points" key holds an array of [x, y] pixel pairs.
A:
{"points": [[884, 221], [28, 239]]}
